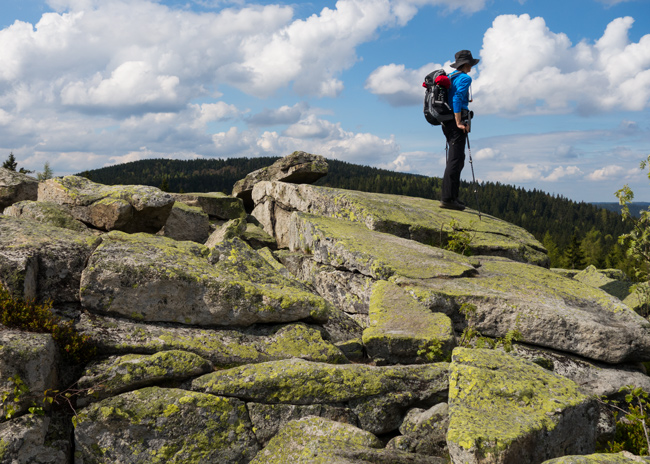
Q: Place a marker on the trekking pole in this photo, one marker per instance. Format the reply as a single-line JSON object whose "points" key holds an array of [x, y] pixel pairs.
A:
{"points": [[471, 163]]}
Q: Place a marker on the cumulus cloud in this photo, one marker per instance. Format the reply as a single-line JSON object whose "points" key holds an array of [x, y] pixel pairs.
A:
{"points": [[608, 172], [526, 68], [486, 154], [561, 172], [283, 115], [397, 85]]}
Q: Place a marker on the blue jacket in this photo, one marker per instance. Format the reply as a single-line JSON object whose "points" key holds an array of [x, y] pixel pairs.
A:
{"points": [[459, 92]]}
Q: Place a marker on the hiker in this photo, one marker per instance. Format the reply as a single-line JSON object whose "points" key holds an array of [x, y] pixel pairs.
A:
{"points": [[456, 129]]}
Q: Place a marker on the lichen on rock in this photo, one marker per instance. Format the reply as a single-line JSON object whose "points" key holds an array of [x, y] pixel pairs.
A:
{"points": [[118, 374], [222, 347], [378, 395], [403, 331], [152, 278], [506, 410]]}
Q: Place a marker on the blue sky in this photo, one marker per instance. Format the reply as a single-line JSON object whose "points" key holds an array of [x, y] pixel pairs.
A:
{"points": [[561, 94]]}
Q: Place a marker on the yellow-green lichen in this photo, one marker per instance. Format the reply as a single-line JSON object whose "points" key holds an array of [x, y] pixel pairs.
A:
{"points": [[496, 399]]}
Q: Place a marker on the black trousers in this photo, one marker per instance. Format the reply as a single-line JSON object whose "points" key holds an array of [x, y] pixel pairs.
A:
{"points": [[456, 138]]}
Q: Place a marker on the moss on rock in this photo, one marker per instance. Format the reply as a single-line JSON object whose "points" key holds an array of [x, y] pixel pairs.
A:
{"points": [[414, 218], [404, 331], [118, 374], [618, 458], [173, 281], [547, 309], [46, 213], [506, 410], [156, 425], [222, 347], [345, 244], [377, 395], [316, 440]]}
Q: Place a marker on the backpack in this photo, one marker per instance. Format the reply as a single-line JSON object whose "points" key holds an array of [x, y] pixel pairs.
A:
{"points": [[436, 102]]}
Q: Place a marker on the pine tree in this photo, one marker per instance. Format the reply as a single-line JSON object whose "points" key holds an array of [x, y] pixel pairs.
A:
{"points": [[573, 256], [10, 163], [47, 172]]}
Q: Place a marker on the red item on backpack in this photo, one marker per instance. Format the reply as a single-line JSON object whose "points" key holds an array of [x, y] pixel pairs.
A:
{"points": [[443, 81]]}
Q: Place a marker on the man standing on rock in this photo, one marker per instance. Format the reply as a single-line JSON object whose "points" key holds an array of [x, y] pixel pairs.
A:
{"points": [[456, 129]]}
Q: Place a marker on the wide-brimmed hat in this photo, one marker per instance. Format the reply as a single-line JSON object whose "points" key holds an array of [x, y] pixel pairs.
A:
{"points": [[463, 57]]}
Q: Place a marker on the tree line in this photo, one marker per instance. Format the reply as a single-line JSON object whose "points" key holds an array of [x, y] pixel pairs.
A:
{"points": [[576, 234]]}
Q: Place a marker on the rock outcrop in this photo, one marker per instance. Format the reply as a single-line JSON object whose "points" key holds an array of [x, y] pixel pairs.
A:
{"points": [[327, 326], [507, 411], [297, 168], [130, 208], [15, 187]]}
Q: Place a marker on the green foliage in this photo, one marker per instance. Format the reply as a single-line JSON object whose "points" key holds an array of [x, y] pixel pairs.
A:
{"points": [[10, 163], [573, 255], [32, 317], [632, 423], [431, 350], [459, 239], [637, 242], [47, 172]]}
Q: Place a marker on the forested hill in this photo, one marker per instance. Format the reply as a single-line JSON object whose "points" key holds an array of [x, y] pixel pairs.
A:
{"points": [[576, 234], [635, 208]]}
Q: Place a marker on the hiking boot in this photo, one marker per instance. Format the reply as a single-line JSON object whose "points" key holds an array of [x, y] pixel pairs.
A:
{"points": [[453, 204]]}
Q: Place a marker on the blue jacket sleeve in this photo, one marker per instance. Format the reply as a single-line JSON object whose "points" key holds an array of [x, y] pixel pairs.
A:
{"points": [[460, 100]]}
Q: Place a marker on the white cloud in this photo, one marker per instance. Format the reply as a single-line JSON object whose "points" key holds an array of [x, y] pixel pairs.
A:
{"points": [[561, 172], [283, 115], [606, 173], [526, 68], [518, 173], [486, 154], [397, 85]]}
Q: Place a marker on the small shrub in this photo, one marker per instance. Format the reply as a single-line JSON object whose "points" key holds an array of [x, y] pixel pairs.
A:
{"points": [[632, 423], [33, 317], [459, 240]]}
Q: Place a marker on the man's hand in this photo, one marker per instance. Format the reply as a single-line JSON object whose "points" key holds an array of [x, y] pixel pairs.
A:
{"points": [[459, 122]]}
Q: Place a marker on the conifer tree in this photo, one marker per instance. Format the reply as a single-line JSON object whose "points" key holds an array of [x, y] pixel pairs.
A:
{"points": [[573, 256], [10, 162]]}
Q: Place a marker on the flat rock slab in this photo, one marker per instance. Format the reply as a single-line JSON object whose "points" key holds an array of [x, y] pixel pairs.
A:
{"points": [[297, 168], [424, 432], [24, 440], [149, 278], [118, 374], [378, 396], [404, 331], [15, 187], [506, 410], [187, 223], [32, 359], [269, 419], [350, 245], [129, 208], [318, 440], [620, 288], [592, 378], [347, 290], [42, 261], [214, 204], [157, 425], [549, 310], [618, 458], [46, 213], [222, 347], [414, 218]]}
